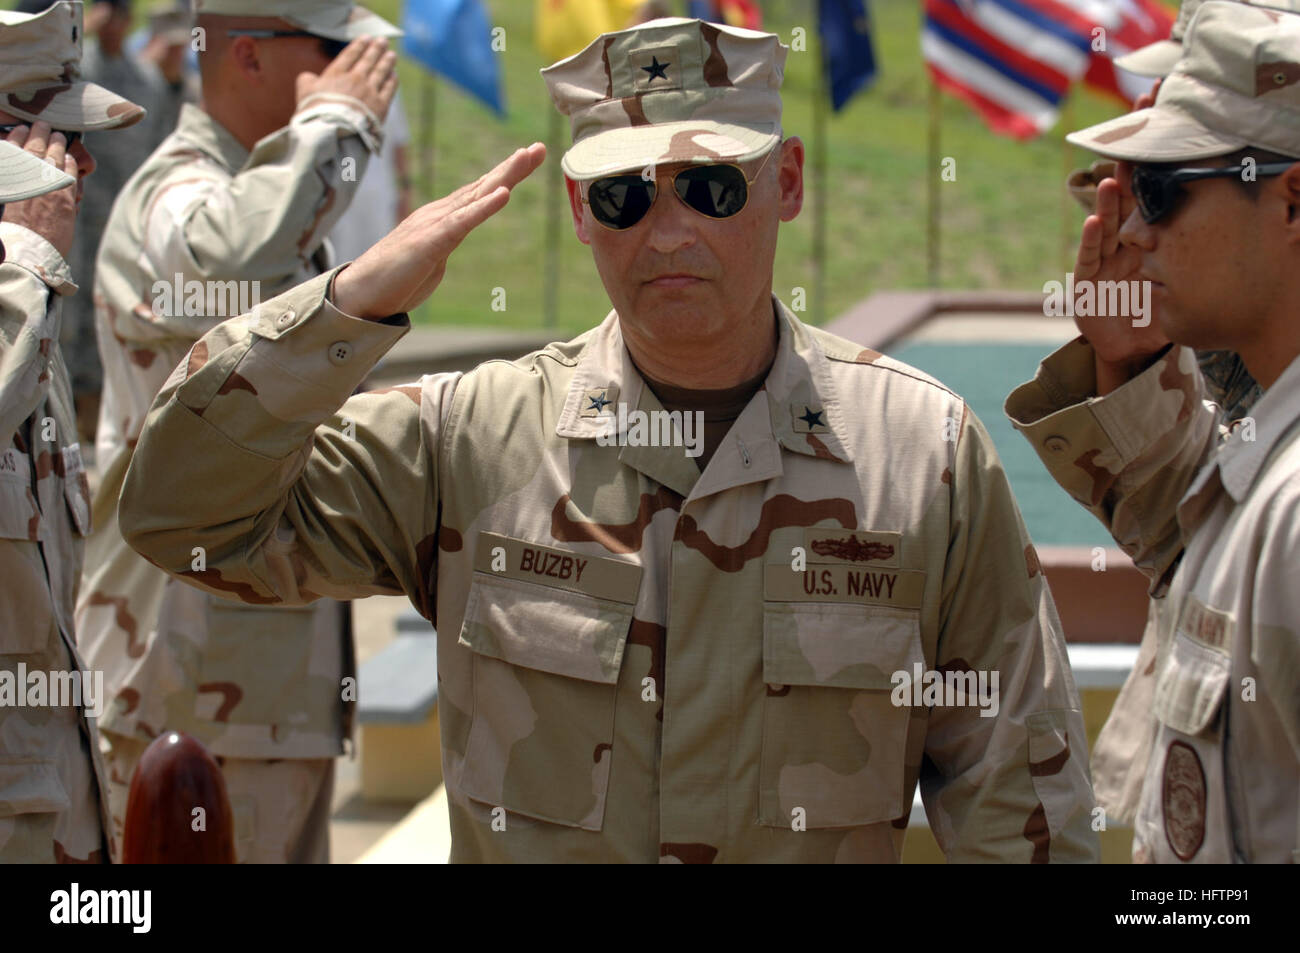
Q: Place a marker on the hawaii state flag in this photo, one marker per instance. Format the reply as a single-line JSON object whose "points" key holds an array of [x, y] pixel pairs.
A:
{"points": [[1012, 60], [1129, 25]]}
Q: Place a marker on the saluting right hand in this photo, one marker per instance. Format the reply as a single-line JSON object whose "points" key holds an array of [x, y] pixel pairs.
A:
{"points": [[1121, 349], [365, 70], [53, 215], [406, 265]]}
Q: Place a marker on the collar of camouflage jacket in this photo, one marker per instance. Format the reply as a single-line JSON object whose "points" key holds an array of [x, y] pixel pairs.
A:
{"points": [[200, 130], [797, 410], [1252, 442]]}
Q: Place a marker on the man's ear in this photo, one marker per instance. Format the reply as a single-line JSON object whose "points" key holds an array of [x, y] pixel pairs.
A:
{"points": [[243, 53], [576, 207], [790, 178], [1289, 182]]}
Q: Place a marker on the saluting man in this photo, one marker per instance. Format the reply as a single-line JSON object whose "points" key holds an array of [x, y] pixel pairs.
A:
{"points": [[53, 803], [234, 207], [645, 653]]}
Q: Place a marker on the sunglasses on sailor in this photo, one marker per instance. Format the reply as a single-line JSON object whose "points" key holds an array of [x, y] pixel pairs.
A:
{"points": [[717, 190], [331, 48], [1157, 188]]}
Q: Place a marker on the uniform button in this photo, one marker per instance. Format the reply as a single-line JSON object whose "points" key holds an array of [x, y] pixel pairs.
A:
{"points": [[287, 318], [340, 351], [1057, 444]]}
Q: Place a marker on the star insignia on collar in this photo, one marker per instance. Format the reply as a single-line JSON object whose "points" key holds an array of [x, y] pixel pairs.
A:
{"points": [[813, 418], [598, 402], [656, 69]]}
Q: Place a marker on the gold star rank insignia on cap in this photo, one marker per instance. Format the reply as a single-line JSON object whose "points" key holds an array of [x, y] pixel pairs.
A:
{"points": [[598, 402], [808, 419]]}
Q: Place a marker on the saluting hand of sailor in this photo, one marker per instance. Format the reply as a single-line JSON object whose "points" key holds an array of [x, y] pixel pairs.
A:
{"points": [[406, 265], [365, 70], [1121, 348], [53, 215]]}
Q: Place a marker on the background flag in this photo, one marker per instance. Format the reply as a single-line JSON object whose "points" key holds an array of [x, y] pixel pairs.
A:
{"points": [[742, 13], [1012, 60], [565, 27], [1129, 25], [454, 38], [847, 55]]}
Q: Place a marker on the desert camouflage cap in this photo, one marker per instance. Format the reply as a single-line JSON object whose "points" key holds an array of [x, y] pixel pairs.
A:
{"points": [[40, 60], [23, 175], [1159, 58], [1237, 85], [671, 90], [332, 19]]}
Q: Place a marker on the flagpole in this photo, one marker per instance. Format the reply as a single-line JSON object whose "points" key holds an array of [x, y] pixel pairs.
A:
{"points": [[427, 112], [1067, 163], [932, 186], [820, 94], [554, 213]]}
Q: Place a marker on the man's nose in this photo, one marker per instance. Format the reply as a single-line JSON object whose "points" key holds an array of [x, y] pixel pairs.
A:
{"points": [[1136, 232], [85, 161], [671, 224]]}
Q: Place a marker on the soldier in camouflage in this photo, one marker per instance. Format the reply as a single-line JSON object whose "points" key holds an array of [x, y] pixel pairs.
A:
{"points": [[53, 805], [1123, 747], [1207, 506], [108, 63], [232, 208], [647, 653]]}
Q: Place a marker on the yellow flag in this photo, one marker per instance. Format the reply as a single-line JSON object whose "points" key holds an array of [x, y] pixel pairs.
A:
{"points": [[566, 26]]}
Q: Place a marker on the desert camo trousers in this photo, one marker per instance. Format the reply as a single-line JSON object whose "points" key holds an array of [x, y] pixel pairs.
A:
{"points": [[281, 808]]}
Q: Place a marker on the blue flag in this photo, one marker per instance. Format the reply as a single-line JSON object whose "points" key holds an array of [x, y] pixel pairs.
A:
{"points": [[846, 48], [454, 38]]}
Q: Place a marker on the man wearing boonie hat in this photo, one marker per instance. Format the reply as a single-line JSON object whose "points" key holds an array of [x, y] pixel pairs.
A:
{"points": [[53, 801], [1154, 60], [1117, 416], [1120, 754], [232, 209], [688, 570]]}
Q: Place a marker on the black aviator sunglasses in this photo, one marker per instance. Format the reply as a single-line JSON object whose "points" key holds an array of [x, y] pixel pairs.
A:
{"points": [[718, 190], [331, 48], [1156, 189]]}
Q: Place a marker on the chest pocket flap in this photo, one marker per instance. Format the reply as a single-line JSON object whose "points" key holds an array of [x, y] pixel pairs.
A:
{"points": [[1194, 677]]}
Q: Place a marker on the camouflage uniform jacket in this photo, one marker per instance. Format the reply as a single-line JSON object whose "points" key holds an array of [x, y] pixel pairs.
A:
{"points": [[630, 668], [1216, 526], [207, 210], [52, 800]]}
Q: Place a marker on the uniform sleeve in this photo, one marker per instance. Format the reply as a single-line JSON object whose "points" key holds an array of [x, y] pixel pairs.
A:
{"points": [[32, 279], [1005, 780], [244, 462], [265, 223], [1129, 456], [1275, 614]]}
